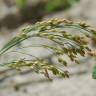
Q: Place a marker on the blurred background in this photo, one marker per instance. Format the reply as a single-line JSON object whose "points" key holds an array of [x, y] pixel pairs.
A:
{"points": [[17, 14]]}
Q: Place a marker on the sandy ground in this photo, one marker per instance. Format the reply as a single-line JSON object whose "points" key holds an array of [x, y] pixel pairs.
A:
{"points": [[75, 86]]}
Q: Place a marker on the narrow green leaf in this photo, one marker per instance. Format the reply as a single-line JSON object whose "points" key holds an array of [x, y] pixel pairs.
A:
{"points": [[94, 72]]}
